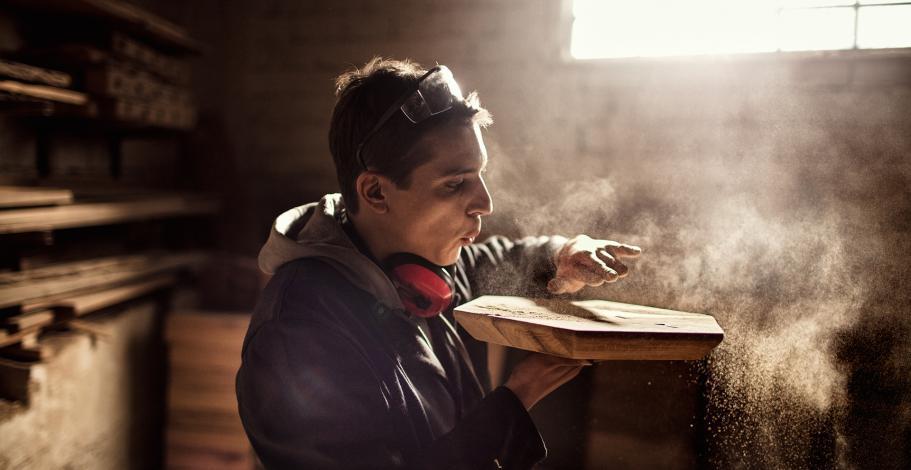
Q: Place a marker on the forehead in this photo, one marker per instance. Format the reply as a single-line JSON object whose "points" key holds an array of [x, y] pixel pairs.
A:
{"points": [[453, 150]]}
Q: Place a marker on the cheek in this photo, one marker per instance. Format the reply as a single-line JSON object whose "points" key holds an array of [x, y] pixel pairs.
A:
{"points": [[436, 223]]}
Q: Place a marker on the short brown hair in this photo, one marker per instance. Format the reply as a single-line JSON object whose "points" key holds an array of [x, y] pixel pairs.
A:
{"points": [[363, 96]]}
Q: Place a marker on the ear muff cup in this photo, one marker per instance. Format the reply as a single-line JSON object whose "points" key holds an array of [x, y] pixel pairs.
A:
{"points": [[426, 289]]}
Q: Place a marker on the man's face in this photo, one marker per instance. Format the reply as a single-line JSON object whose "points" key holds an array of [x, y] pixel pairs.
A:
{"points": [[441, 210]]}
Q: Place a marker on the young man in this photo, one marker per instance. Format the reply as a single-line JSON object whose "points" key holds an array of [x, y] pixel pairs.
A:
{"points": [[352, 358]]}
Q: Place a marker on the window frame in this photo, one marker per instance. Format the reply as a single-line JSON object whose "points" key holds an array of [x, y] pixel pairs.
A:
{"points": [[566, 30]]}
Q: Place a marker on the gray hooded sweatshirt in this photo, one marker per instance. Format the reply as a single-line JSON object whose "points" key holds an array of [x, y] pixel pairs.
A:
{"points": [[335, 374]]}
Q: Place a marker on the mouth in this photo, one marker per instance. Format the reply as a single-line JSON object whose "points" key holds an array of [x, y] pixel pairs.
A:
{"points": [[469, 237]]}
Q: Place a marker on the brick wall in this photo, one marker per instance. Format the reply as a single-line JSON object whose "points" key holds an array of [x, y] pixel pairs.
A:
{"points": [[770, 191]]}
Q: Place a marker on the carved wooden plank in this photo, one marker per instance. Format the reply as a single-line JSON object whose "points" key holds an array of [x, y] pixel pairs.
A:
{"points": [[590, 329], [24, 196]]}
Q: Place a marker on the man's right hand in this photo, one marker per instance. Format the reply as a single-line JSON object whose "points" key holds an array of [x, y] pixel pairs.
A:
{"points": [[539, 374]]}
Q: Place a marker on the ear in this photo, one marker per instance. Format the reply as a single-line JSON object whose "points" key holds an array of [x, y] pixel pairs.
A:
{"points": [[371, 191]]}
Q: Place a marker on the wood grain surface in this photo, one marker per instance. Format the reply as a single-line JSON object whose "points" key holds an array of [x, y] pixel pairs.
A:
{"points": [[590, 329]]}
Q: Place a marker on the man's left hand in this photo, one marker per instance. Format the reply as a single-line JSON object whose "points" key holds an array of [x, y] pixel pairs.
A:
{"points": [[584, 261]]}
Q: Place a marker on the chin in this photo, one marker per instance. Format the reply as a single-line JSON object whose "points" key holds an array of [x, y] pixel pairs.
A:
{"points": [[448, 258]]}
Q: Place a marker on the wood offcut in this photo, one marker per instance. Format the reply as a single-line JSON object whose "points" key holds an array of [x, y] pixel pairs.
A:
{"points": [[590, 329]]}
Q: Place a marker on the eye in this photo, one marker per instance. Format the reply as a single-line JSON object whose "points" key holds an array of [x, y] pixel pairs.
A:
{"points": [[455, 184]]}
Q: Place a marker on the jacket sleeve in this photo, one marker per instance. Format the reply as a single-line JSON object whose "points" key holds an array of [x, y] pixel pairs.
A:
{"points": [[500, 266], [307, 400], [498, 433]]}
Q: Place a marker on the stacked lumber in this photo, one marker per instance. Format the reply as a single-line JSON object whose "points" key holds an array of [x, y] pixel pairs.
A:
{"points": [[131, 64], [54, 296], [27, 196], [102, 213], [35, 299], [27, 83], [204, 428], [119, 14]]}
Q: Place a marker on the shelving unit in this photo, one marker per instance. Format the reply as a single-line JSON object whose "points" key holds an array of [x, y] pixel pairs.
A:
{"points": [[100, 68]]}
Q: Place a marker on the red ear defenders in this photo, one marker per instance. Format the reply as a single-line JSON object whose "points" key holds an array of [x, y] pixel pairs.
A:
{"points": [[425, 288]]}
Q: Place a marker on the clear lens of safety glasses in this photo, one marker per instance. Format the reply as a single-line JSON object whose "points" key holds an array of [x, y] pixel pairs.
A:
{"points": [[435, 94]]}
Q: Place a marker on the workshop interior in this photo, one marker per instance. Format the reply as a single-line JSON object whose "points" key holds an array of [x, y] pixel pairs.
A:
{"points": [[759, 153]]}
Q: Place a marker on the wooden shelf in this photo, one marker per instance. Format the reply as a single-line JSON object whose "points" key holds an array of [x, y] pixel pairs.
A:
{"points": [[102, 213], [26, 196], [68, 284], [121, 14]]}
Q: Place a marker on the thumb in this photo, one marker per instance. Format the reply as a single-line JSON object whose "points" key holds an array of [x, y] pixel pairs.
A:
{"points": [[557, 285]]}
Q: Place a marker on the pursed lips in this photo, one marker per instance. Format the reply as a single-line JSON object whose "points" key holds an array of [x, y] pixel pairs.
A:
{"points": [[470, 236]]}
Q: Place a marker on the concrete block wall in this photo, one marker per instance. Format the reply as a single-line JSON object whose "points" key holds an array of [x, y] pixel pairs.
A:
{"points": [[768, 190], [98, 402]]}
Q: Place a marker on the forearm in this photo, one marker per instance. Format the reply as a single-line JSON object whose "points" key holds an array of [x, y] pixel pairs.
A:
{"points": [[498, 432], [511, 267]]}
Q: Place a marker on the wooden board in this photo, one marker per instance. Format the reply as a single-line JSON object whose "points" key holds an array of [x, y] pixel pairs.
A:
{"points": [[30, 73], [590, 329], [44, 287], [204, 427], [24, 196], [43, 92], [87, 303], [102, 213]]}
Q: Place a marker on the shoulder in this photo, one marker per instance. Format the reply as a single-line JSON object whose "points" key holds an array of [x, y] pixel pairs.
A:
{"points": [[307, 290]]}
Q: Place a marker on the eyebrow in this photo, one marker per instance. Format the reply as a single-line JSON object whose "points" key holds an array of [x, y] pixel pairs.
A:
{"points": [[461, 170]]}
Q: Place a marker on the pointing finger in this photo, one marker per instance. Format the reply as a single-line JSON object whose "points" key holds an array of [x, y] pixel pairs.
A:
{"points": [[592, 271]]}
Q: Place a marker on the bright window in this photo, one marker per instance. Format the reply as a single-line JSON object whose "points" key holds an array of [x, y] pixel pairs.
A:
{"points": [[653, 28]]}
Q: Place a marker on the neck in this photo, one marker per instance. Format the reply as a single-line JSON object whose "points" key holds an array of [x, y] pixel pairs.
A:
{"points": [[373, 237]]}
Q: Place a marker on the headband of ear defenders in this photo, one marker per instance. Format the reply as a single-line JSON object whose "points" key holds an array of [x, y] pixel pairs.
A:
{"points": [[425, 288]]}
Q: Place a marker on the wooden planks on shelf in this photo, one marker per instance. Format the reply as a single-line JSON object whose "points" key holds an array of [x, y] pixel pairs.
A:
{"points": [[19, 336], [42, 287], [121, 14], [42, 92], [32, 74], [79, 305], [169, 68], [590, 329], [102, 213], [117, 80], [204, 428], [26, 196], [177, 116]]}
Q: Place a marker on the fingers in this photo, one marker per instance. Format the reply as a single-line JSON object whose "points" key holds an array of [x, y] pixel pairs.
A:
{"points": [[608, 259], [594, 272], [589, 270], [625, 251]]}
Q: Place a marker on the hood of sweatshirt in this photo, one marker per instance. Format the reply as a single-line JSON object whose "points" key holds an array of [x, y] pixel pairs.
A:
{"points": [[315, 231]]}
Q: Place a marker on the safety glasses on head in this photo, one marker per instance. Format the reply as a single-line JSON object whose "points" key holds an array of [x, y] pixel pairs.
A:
{"points": [[434, 93]]}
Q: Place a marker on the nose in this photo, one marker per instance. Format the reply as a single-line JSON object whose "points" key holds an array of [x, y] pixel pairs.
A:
{"points": [[481, 203]]}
